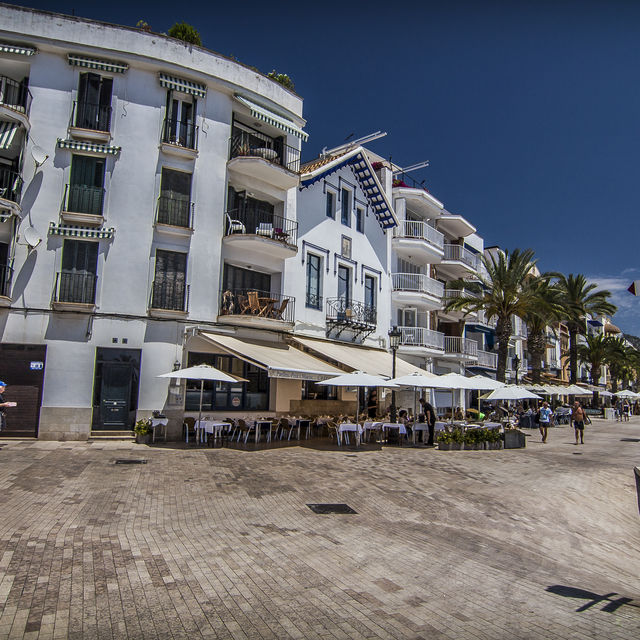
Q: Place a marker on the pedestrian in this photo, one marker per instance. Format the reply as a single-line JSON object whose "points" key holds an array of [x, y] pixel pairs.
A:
{"points": [[372, 403], [545, 414], [578, 416], [626, 410], [619, 408], [430, 418], [4, 405]]}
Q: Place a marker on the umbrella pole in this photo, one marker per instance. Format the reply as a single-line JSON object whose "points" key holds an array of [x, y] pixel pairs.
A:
{"points": [[200, 412]]}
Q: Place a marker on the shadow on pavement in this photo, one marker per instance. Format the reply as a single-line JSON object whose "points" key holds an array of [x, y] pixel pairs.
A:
{"points": [[594, 598]]}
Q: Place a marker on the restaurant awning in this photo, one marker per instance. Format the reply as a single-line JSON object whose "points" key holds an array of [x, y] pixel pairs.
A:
{"points": [[266, 115], [279, 359], [377, 362]]}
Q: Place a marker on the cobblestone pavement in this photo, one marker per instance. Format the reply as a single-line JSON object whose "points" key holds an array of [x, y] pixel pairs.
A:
{"points": [[542, 542]]}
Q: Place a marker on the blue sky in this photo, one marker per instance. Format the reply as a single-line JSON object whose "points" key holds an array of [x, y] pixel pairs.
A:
{"points": [[527, 111]]}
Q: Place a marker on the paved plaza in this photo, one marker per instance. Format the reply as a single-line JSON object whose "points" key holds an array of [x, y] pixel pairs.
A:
{"points": [[542, 542]]}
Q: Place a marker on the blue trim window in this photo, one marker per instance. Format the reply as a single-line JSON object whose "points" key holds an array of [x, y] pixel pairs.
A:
{"points": [[346, 207], [314, 270], [360, 219], [370, 292], [331, 204]]}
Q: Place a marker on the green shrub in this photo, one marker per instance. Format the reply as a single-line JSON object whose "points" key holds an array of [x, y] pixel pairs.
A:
{"points": [[142, 427], [282, 78], [186, 33]]}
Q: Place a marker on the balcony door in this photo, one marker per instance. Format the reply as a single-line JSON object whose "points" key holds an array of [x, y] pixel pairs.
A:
{"points": [[79, 272], [170, 282], [175, 197], [5, 272], [86, 185], [181, 116], [93, 110], [344, 286]]}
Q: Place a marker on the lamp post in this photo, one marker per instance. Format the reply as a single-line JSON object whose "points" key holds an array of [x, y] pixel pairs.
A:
{"points": [[516, 364], [394, 342]]}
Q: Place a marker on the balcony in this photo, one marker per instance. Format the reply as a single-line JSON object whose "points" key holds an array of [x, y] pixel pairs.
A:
{"points": [[554, 363], [460, 348], [458, 261], [267, 159], [518, 328], [358, 318], [259, 231], [415, 193], [10, 190], [15, 100], [174, 216], [6, 275], [418, 240], [90, 121], [487, 359], [455, 226], [180, 138], [75, 291], [313, 301], [255, 308], [417, 289], [418, 339], [83, 204], [169, 299]]}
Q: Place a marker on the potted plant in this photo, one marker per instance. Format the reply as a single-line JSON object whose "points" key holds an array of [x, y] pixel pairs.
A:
{"points": [[457, 439], [494, 439], [142, 430], [444, 441]]}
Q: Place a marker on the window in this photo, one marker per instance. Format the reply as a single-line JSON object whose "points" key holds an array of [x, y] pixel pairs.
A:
{"points": [[360, 219], [344, 284], [239, 280], [370, 291], [93, 108], [254, 214], [77, 280], [346, 207], [85, 193], [170, 281], [175, 197], [180, 122], [331, 204], [314, 266], [314, 391]]}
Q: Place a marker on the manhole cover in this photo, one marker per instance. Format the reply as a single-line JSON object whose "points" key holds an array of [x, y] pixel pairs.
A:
{"points": [[331, 508], [130, 461], [575, 453], [629, 439]]}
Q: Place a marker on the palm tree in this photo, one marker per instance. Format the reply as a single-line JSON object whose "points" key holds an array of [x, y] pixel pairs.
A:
{"points": [[579, 300], [594, 353], [617, 354], [503, 291]]}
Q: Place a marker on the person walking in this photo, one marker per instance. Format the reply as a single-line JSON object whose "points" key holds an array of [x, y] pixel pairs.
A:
{"points": [[545, 415], [430, 418], [4, 405], [578, 416]]}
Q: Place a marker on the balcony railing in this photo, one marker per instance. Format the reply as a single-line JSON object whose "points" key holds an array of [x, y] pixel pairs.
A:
{"points": [[487, 359], [313, 301], [518, 328], [256, 303], [80, 198], [182, 134], [405, 180], [418, 282], [176, 212], [461, 346], [86, 115], [420, 231], [261, 223], [75, 287], [10, 185], [450, 294], [169, 295], [347, 312], [6, 275], [422, 337], [458, 253], [553, 363], [15, 94], [245, 144]]}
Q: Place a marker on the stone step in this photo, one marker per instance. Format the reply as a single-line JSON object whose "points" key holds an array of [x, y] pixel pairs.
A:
{"points": [[112, 435]]}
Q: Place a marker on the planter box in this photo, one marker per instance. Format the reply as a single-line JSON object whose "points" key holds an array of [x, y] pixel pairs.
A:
{"points": [[146, 439], [455, 446], [514, 439], [444, 446], [494, 445]]}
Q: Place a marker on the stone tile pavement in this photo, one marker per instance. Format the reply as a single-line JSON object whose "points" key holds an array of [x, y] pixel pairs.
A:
{"points": [[219, 543]]}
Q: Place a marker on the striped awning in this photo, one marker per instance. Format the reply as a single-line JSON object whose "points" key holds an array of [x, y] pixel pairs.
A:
{"points": [[95, 63], [87, 233], [7, 133], [76, 145], [180, 84], [280, 122], [17, 49]]}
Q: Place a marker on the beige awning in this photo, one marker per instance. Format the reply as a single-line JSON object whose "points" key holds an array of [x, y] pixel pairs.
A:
{"points": [[377, 362], [279, 359]]}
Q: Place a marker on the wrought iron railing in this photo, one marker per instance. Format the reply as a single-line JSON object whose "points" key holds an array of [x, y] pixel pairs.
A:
{"points": [[415, 229], [177, 212], [80, 198], [458, 253], [461, 346], [6, 274], [313, 301], [450, 294], [272, 150], [86, 115], [10, 185], [15, 94], [75, 287], [169, 295], [348, 312], [256, 303], [418, 282], [405, 180], [181, 134], [487, 359], [261, 223], [422, 337]]}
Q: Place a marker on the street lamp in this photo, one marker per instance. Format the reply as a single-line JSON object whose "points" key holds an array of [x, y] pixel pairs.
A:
{"points": [[394, 342], [516, 365]]}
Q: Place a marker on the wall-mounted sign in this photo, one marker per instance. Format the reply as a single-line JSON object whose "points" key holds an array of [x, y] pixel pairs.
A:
{"points": [[35, 365], [235, 401]]}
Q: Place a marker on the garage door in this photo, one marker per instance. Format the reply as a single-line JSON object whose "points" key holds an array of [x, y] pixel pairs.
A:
{"points": [[22, 368]]}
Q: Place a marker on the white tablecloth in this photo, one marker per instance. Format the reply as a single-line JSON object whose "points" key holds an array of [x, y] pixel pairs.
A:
{"points": [[208, 426], [346, 427], [159, 423]]}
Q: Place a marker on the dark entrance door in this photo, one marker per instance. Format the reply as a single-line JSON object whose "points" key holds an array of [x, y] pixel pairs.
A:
{"points": [[22, 368], [115, 388]]}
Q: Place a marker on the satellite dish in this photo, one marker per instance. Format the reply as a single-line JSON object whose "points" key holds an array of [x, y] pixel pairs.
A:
{"points": [[31, 237], [39, 155]]}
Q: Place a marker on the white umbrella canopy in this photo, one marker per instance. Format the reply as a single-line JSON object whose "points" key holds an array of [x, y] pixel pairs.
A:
{"points": [[575, 390], [625, 393], [485, 383], [512, 392], [606, 394], [415, 380]]}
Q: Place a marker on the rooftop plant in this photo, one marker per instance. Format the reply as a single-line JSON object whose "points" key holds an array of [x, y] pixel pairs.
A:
{"points": [[282, 78], [186, 33]]}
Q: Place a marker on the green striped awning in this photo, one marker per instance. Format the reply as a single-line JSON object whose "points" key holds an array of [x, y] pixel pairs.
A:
{"points": [[95, 63], [17, 49], [76, 145], [7, 133], [180, 84], [88, 233], [280, 122]]}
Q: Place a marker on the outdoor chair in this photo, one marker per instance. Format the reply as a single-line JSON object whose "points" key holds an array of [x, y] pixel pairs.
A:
{"points": [[275, 428], [265, 229], [332, 430], [189, 428], [288, 425], [278, 312], [243, 304], [254, 304], [234, 226], [243, 429]]}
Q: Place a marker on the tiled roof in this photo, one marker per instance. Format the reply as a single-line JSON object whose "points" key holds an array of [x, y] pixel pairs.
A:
{"points": [[309, 167]]}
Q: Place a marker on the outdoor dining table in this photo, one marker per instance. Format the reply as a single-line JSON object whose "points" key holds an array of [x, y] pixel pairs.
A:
{"points": [[259, 425], [370, 426], [159, 423], [347, 427], [208, 426], [419, 426], [390, 426]]}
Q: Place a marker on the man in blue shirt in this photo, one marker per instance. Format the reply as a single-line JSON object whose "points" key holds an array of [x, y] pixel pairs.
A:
{"points": [[545, 420]]}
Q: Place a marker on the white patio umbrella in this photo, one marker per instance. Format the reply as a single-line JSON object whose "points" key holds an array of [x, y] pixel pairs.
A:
{"points": [[485, 383], [416, 380], [575, 390], [625, 393], [358, 379], [512, 392], [201, 372], [606, 394]]}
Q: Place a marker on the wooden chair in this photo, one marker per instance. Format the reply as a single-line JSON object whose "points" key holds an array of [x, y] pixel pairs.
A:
{"points": [[332, 429], [254, 304], [189, 428], [279, 311], [243, 428], [243, 304]]}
